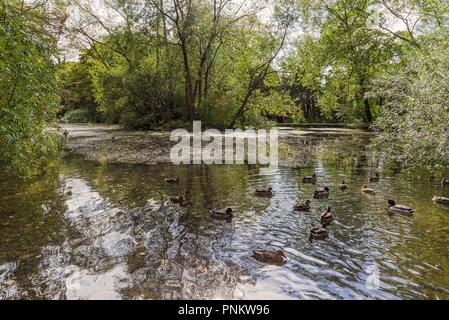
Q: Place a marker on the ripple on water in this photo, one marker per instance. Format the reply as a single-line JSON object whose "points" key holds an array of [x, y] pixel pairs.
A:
{"points": [[77, 245]]}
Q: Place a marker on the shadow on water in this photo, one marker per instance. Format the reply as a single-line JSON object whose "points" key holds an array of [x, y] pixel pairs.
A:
{"points": [[103, 231]]}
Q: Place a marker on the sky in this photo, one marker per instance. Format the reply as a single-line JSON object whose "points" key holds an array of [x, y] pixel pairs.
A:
{"points": [[110, 18]]}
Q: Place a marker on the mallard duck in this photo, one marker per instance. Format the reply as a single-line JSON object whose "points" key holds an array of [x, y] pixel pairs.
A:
{"points": [[343, 186], [181, 201], [319, 233], [304, 207], [172, 180], [327, 217], [311, 179], [262, 192], [368, 190], [375, 178], [321, 193], [228, 214], [445, 182], [394, 208], [271, 257], [441, 200], [177, 200]]}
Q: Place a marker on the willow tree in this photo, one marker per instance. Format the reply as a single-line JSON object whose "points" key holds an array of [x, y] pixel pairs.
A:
{"points": [[28, 99]]}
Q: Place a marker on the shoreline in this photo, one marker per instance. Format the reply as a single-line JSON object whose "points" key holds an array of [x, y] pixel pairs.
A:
{"points": [[113, 144]]}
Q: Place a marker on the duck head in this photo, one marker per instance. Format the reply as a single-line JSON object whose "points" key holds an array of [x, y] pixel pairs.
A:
{"points": [[327, 189], [280, 253], [229, 211], [391, 203]]}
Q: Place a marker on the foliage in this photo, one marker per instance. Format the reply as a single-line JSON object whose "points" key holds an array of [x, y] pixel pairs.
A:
{"points": [[77, 116], [76, 92], [155, 68], [28, 99], [413, 124], [159, 64], [338, 66]]}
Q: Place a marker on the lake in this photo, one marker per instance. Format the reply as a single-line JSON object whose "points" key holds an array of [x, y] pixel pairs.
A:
{"points": [[95, 230]]}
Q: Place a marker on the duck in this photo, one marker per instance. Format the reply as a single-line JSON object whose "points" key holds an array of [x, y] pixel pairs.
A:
{"points": [[327, 217], [368, 190], [303, 207], [181, 201], [172, 180], [441, 200], [445, 182], [177, 200], [311, 179], [343, 186], [394, 208], [263, 192], [270, 257], [228, 214], [321, 193], [319, 233], [375, 178]]}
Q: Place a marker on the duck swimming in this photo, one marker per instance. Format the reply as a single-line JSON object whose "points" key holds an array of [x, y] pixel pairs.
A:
{"points": [[441, 200], [319, 233], [181, 201], [228, 214], [445, 182], [327, 217], [262, 192], [367, 190], [394, 208], [343, 186], [375, 178], [172, 180], [321, 193], [270, 257], [303, 207], [311, 179], [177, 199]]}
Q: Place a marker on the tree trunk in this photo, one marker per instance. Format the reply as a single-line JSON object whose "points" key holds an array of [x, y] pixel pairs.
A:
{"points": [[189, 98], [242, 108], [369, 115]]}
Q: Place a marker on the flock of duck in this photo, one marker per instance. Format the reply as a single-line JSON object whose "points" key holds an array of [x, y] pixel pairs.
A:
{"points": [[320, 232]]}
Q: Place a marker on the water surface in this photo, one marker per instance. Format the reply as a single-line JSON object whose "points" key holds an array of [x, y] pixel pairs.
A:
{"points": [[80, 232]]}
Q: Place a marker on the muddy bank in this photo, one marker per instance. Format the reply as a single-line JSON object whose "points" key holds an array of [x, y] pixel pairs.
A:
{"points": [[112, 144]]}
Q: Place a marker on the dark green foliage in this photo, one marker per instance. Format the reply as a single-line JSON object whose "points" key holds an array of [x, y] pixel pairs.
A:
{"points": [[76, 92], [28, 99], [78, 116]]}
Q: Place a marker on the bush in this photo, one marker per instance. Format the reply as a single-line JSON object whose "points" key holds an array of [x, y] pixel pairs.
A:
{"points": [[413, 125], [28, 96], [78, 116]]}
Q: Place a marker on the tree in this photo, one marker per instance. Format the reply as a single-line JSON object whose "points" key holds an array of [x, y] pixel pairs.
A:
{"points": [[412, 127], [28, 97], [340, 63], [76, 90]]}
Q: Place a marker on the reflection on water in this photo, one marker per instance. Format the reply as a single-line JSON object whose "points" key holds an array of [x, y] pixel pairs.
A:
{"points": [[98, 231]]}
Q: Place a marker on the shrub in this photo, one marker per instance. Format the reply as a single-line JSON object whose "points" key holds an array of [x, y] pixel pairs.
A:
{"points": [[79, 116]]}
